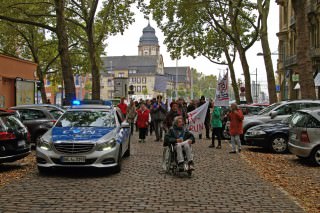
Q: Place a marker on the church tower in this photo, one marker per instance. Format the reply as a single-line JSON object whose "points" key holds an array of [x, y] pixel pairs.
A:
{"points": [[148, 43]]}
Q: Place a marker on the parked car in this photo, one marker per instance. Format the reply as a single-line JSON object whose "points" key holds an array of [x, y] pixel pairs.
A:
{"points": [[14, 138], [38, 120], [48, 106], [277, 112], [85, 136], [271, 136], [304, 140]]}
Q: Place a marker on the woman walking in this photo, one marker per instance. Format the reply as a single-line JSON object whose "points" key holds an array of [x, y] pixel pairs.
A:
{"points": [[236, 129], [216, 125], [131, 114], [143, 119]]}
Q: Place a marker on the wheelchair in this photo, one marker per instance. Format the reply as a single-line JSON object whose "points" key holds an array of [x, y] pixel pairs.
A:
{"points": [[170, 164]]}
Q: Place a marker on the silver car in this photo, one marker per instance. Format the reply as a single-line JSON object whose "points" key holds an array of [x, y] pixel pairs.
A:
{"points": [[304, 136], [85, 136]]}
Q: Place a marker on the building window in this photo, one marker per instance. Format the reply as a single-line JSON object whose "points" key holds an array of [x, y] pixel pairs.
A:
{"points": [[144, 88], [144, 80], [120, 74], [132, 71], [134, 88], [110, 83], [138, 80], [138, 89]]}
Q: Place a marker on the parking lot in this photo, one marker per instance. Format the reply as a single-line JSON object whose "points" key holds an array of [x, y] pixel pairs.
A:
{"points": [[220, 183]]}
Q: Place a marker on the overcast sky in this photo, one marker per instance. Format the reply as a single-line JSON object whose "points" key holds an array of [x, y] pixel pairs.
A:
{"points": [[127, 44]]}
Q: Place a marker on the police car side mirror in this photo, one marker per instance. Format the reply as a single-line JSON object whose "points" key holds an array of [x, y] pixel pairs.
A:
{"points": [[125, 125]]}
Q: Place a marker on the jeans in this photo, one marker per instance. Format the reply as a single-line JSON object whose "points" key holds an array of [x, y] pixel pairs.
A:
{"points": [[142, 133], [235, 138], [187, 148], [158, 126], [216, 131]]}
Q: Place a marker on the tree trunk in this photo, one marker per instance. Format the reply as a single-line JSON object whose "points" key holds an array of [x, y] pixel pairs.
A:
{"points": [[246, 73], [70, 91], [42, 89], [304, 63], [94, 66], [264, 12], [233, 77]]}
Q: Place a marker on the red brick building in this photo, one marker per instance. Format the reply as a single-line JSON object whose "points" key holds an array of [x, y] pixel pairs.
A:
{"points": [[17, 81]]}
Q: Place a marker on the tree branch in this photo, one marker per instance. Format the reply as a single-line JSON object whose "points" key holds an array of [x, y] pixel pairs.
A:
{"points": [[14, 20]]}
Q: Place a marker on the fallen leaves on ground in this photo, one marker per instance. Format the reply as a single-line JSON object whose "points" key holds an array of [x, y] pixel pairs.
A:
{"points": [[296, 176], [14, 171]]}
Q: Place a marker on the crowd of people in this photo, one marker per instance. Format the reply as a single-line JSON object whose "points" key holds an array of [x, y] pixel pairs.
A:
{"points": [[156, 115]]}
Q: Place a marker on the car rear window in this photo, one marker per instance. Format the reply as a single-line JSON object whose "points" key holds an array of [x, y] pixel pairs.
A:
{"points": [[11, 122], [87, 119], [56, 113], [299, 119]]}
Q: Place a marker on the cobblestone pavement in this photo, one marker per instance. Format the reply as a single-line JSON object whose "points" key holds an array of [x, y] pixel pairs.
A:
{"points": [[222, 182]]}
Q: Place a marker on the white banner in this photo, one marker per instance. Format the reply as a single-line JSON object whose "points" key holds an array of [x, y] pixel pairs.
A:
{"points": [[196, 119], [222, 91]]}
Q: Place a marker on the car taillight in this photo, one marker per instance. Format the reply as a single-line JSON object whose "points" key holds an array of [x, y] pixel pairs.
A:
{"points": [[52, 122], [304, 138], [28, 136], [7, 136]]}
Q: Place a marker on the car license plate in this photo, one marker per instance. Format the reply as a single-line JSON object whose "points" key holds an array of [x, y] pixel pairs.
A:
{"points": [[73, 159], [21, 143]]}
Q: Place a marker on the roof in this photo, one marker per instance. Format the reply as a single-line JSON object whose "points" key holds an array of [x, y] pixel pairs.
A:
{"points": [[173, 72], [89, 107], [148, 36], [142, 64], [314, 111]]}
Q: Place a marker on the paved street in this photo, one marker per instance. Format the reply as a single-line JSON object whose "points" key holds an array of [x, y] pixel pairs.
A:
{"points": [[220, 183]]}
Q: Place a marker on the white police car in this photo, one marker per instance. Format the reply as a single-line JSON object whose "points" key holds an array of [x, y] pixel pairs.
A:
{"points": [[86, 135]]}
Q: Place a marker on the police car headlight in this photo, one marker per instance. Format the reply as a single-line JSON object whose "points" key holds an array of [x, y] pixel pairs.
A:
{"points": [[43, 144], [106, 145]]}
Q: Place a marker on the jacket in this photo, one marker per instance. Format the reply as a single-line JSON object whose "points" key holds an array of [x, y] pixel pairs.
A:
{"points": [[158, 112], [131, 113], [216, 118], [170, 117], [174, 133], [123, 108], [236, 122], [143, 118]]}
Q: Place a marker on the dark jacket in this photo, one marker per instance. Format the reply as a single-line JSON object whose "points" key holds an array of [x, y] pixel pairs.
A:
{"points": [[174, 133], [169, 118]]}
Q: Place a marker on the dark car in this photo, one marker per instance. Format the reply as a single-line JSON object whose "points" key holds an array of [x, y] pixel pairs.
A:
{"points": [[38, 120], [14, 138], [272, 136]]}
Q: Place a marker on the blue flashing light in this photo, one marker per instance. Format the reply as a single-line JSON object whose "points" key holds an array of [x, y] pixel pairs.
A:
{"points": [[75, 102]]}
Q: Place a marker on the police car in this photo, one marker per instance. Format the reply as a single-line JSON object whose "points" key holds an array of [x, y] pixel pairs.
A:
{"points": [[86, 135]]}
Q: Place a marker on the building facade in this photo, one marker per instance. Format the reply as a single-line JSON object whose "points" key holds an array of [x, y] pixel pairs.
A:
{"points": [[17, 81], [145, 71], [288, 75]]}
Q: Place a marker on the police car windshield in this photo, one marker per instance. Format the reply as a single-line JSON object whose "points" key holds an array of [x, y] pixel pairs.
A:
{"points": [[87, 119]]}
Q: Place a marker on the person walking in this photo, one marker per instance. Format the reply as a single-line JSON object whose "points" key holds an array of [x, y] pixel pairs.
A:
{"points": [[143, 119], [123, 107], [216, 125], [207, 119], [158, 115], [168, 122], [236, 121], [131, 114]]}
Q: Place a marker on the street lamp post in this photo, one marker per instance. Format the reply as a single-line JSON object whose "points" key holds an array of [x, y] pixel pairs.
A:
{"points": [[256, 85]]}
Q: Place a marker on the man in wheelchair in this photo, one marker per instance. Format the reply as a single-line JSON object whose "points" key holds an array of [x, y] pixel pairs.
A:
{"points": [[181, 139]]}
